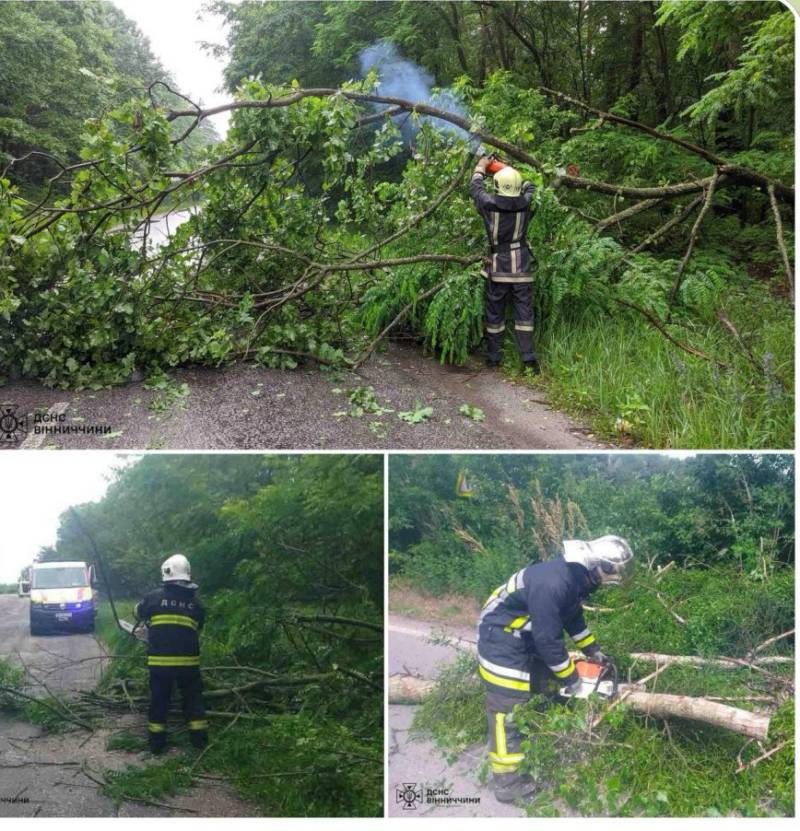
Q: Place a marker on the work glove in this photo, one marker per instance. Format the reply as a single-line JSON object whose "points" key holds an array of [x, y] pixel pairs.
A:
{"points": [[599, 657], [574, 688], [480, 167]]}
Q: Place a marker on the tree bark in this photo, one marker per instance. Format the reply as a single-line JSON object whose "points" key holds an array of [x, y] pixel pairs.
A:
{"points": [[406, 689], [754, 725], [719, 663]]}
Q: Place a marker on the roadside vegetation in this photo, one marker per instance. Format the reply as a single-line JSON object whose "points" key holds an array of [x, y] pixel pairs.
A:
{"points": [[292, 651], [660, 138], [714, 545]]}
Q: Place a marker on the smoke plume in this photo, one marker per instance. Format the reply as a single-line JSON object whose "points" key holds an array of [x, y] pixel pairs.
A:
{"points": [[399, 77]]}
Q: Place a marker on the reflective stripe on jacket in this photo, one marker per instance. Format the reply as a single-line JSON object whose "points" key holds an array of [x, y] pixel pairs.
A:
{"points": [[174, 618], [505, 219], [535, 606]]}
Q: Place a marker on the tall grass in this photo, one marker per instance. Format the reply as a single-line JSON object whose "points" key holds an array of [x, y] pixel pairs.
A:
{"points": [[631, 383]]}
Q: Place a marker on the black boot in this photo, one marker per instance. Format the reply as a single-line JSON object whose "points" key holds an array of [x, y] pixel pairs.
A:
{"points": [[198, 738], [533, 366], [509, 787], [493, 363], [158, 746]]}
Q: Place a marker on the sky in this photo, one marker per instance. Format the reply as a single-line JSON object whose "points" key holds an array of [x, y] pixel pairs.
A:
{"points": [[174, 32], [39, 486]]}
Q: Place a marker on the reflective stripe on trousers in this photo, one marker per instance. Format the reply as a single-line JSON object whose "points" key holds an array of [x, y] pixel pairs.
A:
{"points": [[505, 740], [173, 660], [497, 293]]}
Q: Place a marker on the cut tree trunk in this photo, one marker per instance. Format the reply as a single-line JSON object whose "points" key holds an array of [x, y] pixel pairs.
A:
{"points": [[754, 725], [406, 689], [720, 663]]}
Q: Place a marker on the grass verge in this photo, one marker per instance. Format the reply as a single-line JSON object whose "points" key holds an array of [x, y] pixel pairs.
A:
{"points": [[633, 386], [456, 609]]}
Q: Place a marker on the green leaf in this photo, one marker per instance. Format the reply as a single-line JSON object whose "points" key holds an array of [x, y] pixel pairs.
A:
{"points": [[475, 413], [417, 415]]}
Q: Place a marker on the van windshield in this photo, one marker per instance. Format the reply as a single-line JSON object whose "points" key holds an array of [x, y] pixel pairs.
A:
{"points": [[60, 578]]}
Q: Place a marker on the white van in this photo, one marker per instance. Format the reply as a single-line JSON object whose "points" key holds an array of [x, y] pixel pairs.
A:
{"points": [[62, 597]]}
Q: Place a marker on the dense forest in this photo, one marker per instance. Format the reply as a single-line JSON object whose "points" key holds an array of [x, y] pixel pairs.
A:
{"points": [[64, 63], [287, 552], [660, 136], [713, 539]]}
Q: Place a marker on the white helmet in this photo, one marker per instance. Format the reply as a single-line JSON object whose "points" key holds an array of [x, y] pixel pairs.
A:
{"points": [[607, 558], [176, 568], [508, 182]]}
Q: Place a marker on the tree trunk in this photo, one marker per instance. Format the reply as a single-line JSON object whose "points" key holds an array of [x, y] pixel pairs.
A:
{"points": [[637, 53], [579, 33], [406, 689], [719, 663], [754, 725], [665, 98]]}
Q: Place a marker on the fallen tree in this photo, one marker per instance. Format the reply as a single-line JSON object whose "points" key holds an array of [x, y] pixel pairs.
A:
{"points": [[754, 725], [719, 663], [407, 689], [237, 286]]}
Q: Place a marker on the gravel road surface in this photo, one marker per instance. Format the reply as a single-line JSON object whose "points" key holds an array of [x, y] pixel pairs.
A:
{"points": [[248, 407]]}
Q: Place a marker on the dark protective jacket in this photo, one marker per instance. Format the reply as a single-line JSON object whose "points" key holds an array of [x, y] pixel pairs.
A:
{"points": [[537, 605], [506, 221], [174, 618]]}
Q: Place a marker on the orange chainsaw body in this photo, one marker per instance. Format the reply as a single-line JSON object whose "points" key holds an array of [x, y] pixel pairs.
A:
{"points": [[590, 675], [588, 671], [495, 165]]}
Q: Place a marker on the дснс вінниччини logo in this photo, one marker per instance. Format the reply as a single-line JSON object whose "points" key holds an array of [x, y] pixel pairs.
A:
{"points": [[409, 794], [13, 428]]}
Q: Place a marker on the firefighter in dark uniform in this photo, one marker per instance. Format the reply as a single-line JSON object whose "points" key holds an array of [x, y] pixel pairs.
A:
{"points": [[521, 646], [174, 618], [506, 214]]}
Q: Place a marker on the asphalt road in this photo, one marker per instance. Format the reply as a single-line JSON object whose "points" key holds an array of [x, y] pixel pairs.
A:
{"points": [[250, 407], [418, 761], [58, 661], [50, 774]]}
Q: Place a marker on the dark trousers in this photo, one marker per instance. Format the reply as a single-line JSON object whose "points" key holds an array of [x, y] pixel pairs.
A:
{"points": [[495, 299], [505, 741], [190, 684]]}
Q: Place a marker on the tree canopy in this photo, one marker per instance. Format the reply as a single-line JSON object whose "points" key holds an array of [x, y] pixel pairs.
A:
{"points": [[703, 512], [282, 528], [63, 63]]}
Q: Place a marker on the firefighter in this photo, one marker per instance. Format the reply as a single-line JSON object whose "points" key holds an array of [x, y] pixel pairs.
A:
{"points": [[521, 645], [174, 618], [507, 270]]}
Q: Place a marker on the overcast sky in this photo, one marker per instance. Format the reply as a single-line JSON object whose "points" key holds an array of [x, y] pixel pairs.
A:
{"points": [[38, 487], [175, 33]]}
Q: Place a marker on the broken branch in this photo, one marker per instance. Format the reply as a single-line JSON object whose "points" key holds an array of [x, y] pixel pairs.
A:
{"points": [[787, 267], [712, 185]]}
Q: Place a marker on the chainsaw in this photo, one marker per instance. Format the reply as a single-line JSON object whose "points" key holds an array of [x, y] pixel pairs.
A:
{"points": [[595, 678], [494, 164]]}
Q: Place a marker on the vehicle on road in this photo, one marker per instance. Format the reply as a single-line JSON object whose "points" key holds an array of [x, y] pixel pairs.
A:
{"points": [[62, 597], [24, 584]]}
